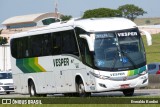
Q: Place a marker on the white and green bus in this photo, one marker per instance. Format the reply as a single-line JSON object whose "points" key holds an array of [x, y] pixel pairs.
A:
{"points": [[80, 57]]}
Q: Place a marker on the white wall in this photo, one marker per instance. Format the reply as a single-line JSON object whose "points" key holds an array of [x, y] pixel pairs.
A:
{"points": [[5, 63]]}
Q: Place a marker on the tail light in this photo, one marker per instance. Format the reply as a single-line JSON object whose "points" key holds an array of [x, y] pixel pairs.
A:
{"points": [[158, 72]]}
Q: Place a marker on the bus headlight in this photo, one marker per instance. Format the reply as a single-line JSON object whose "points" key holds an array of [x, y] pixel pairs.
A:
{"points": [[99, 76], [143, 73]]}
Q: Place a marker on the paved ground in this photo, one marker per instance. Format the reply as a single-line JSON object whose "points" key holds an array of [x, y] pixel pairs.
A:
{"points": [[141, 92]]}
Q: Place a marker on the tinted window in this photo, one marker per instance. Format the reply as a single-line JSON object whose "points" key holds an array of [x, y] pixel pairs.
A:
{"points": [[65, 43], [21, 25], [49, 21], [44, 45], [14, 48], [36, 46], [69, 45], [85, 53], [57, 41], [5, 76], [151, 66], [47, 44]]}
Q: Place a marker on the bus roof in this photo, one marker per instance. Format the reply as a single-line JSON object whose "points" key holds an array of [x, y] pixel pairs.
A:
{"points": [[89, 25], [105, 24]]}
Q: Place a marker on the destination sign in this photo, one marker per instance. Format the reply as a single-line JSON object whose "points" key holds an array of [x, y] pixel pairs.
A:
{"points": [[127, 34], [104, 35]]}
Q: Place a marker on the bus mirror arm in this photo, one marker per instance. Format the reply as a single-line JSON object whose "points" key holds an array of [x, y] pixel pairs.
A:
{"points": [[148, 37], [89, 41]]}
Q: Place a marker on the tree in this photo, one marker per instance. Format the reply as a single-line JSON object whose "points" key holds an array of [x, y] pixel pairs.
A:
{"points": [[101, 12], [66, 17], [131, 11], [147, 21], [3, 40]]}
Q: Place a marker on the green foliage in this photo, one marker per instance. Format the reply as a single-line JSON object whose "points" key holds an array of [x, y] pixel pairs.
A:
{"points": [[66, 17], [101, 12], [147, 21], [131, 11], [3, 40]]}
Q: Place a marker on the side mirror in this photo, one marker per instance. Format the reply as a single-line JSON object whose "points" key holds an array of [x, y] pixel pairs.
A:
{"points": [[148, 37], [89, 41]]}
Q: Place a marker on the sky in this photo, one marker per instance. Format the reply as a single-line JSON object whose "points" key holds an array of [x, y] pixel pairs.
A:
{"points": [[75, 8]]}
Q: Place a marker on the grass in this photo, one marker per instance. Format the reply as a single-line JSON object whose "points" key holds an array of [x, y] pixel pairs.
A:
{"points": [[147, 21], [153, 51]]}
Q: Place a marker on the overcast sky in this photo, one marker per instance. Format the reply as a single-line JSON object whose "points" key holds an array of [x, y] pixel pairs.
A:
{"points": [[75, 8]]}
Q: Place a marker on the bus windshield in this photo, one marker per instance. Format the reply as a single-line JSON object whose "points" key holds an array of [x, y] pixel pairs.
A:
{"points": [[119, 50]]}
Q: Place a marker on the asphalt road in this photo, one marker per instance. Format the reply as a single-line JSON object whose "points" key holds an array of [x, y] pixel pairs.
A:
{"points": [[139, 92]]}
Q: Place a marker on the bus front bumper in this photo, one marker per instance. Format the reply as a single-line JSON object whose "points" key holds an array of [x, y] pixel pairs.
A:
{"points": [[110, 85]]}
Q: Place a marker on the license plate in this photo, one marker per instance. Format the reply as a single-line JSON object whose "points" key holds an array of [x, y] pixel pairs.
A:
{"points": [[125, 86], [10, 86]]}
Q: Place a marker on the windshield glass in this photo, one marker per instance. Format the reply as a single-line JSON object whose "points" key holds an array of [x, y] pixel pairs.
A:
{"points": [[5, 76], [119, 50]]}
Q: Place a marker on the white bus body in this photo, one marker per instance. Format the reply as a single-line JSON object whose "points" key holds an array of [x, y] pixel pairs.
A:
{"points": [[80, 56]]}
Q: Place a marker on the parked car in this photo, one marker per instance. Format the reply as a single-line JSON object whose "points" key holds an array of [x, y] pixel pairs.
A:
{"points": [[154, 68], [6, 82]]}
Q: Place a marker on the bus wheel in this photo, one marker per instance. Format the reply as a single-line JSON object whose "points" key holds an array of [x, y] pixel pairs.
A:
{"points": [[32, 89], [42, 95], [7, 92], [128, 92], [81, 90]]}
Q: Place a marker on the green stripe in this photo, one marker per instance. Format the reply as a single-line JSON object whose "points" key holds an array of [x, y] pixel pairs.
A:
{"points": [[32, 65], [20, 64], [29, 65], [136, 71]]}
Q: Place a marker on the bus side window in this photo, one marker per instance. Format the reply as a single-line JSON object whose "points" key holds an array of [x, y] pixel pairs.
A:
{"points": [[25, 47], [85, 53], [14, 48], [69, 44], [56, 42], [47, 50], [36, 46], [19, 48]]}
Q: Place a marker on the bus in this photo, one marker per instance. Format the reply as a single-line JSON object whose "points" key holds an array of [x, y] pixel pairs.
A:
{"points": [[80, 57]]}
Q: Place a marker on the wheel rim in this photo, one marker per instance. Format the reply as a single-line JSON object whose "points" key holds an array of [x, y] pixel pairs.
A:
{"points": [[81, 89], [32, 90]]}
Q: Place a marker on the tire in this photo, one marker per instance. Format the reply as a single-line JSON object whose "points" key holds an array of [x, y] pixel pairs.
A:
{"points": [[70, 94], [81, 90], [42, 95], [7, 92], [32, 89], [128, 92]]}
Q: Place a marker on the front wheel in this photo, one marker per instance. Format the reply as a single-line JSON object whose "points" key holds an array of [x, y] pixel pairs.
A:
{"points": [[128, 92], [81, 90]]}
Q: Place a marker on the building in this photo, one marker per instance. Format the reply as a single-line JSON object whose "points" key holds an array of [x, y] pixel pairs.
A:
{"points": [[27, 22], [18, 24], [5, 63]]}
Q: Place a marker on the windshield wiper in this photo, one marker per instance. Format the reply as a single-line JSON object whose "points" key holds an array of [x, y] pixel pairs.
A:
{"points": [[114, 62], [124, 54], [130, 59]]}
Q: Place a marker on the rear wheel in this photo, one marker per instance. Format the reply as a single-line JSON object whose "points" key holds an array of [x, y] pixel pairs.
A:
{"points": [[32, 89], [81, 89], [128, 92]]}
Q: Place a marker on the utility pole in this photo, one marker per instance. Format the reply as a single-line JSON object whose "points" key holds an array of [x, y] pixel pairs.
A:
{"points": [[56, 9]]}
